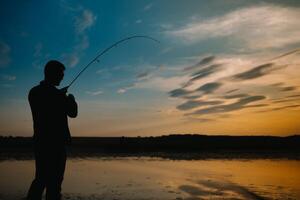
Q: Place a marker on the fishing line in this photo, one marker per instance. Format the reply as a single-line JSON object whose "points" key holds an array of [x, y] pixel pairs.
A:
{"points": [[96, 59]]}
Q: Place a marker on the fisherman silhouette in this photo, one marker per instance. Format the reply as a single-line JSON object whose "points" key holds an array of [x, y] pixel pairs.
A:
{"points": [[50, 109]]}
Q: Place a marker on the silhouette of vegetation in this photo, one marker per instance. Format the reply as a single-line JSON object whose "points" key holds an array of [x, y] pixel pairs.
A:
{"points": [[167, 146]]}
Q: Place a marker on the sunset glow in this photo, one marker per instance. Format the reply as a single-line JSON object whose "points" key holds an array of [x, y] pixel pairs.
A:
{"points": [[221, 68]]}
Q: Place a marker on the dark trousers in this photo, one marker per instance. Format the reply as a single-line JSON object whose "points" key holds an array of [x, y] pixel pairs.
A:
{"points": [[50, 165]]}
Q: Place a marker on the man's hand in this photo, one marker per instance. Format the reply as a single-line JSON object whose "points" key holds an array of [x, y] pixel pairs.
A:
{"points": [[64, 90], [71, 96]]}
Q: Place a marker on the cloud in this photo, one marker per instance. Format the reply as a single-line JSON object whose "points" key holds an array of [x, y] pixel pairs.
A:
{"points": [[280, 87], [279, 108], [83, 43], [148, 6], [70, 60], [150, 72], [202, 120], [207, 71], [67, 5], [235, 96], [122, 90], [209, 87], [142, 75], [40, 58], [125, 89], [179, 92], [4, 54], [192, 97], [8, 77], [166, 50], [194, 104], [285, 107], [205, 89], [286, 100], [286, 54], [138, 21], [202, 62], [264, 26], [288, 88], [84, 21], [148, 78], [240, 104], [160, 83], [255, 72], [38, 50], [7, 85], [231, 91], [95, 93], [217, 80], [293, 96]]}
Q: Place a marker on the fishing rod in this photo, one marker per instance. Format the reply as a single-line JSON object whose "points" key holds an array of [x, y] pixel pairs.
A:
{"points": [[65, 89]]}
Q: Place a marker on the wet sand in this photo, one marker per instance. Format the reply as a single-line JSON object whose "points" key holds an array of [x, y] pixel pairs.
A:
{"points": [[150, 178]]}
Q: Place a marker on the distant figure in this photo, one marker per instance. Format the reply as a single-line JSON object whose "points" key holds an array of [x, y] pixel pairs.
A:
{"points": [[50, 108]]}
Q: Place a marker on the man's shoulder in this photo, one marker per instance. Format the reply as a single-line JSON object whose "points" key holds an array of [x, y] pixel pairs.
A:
{"points": [[42, 90], [35, 89], [38, 90]]}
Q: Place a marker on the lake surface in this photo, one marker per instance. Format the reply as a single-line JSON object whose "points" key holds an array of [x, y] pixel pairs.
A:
{"points": [[145, 178]]}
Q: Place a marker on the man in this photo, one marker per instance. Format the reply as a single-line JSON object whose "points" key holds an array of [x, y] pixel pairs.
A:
{"points": [[50, 109]]}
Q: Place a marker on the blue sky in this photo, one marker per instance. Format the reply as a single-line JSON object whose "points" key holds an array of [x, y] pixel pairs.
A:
{"points": [[214, 71]]}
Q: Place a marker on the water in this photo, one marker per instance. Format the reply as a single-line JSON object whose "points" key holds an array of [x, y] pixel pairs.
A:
{"points": [[146, 178]]}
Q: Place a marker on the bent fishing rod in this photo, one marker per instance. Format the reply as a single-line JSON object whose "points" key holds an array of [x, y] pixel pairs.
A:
{"points": [[96, 59]]}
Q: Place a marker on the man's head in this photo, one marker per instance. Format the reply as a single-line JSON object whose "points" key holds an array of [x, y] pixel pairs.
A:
{"points": [[54, 72]]}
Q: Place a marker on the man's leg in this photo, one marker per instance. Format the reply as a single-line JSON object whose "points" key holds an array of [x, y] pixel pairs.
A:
{"points": [[38, 184], [57, 175]]}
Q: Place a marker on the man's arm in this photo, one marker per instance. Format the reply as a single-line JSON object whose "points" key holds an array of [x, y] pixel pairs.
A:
{"points": [[72, 108]]}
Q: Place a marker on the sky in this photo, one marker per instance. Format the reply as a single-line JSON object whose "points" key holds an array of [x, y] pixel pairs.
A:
{"points": [[222, 67]]}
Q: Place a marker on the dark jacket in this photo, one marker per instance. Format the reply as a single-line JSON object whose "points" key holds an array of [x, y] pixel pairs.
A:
{"points": [[50, 108]]}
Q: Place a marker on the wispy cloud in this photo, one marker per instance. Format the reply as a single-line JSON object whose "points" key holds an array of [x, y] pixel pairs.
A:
{"points": [[150, 78], [143, 75], [122, 90], [39, 56], [179, 92], [205, 89], [203, 61], [94, 93], [159, 83], [220, 87], [235, 96], [5, 85], [8, 77], [203, 73], [7, 80], [71, 60], [263, 26], [240, 104], [196, 104], [255, 72], [138, 21], [209, 87], [82, 23], [38, 50], [5, 58], [279, 108], [295, 51], [148, 6]]}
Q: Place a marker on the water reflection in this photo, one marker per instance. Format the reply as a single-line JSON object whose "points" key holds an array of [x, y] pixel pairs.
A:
{"points": [[156, 178]]}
